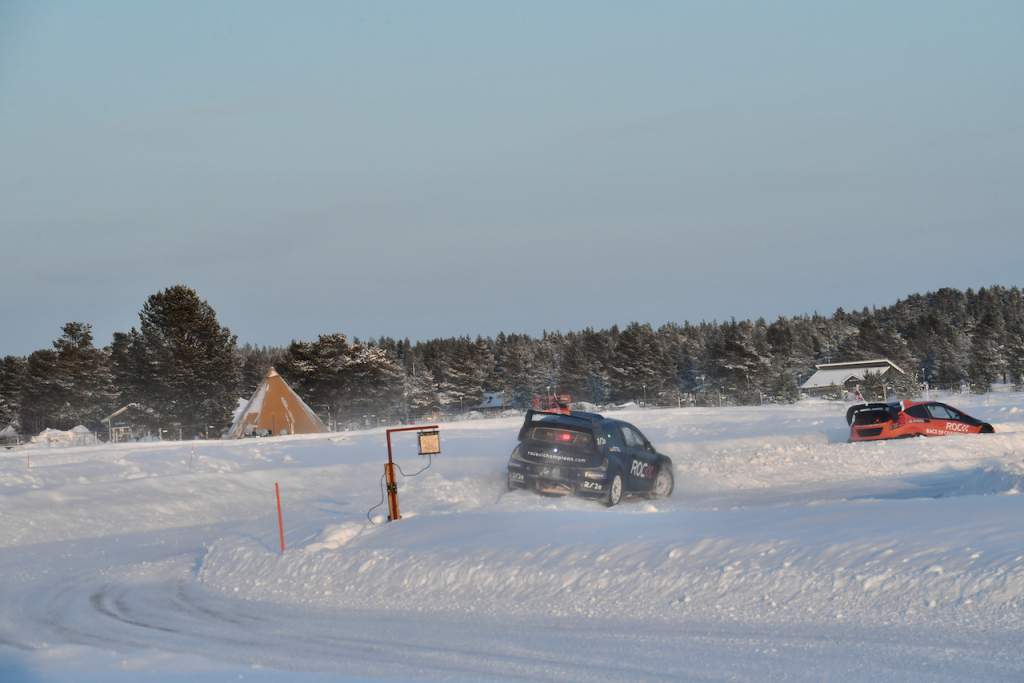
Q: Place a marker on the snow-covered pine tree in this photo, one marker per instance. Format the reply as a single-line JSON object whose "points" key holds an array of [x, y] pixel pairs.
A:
{"points": [[639, 368], [419, 393], [12, 377], [193, 359], [131, 374], [1015, 359], [83, 375], [514, 360], [987, 361], [597, 349], [573, 369], [41, 398], [737, 363], [371, 384]]}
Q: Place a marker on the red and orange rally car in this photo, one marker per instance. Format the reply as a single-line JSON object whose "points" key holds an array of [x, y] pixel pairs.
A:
{"points": [[873, 421]]}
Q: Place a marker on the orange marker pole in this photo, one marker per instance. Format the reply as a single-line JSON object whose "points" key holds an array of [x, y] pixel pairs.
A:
{"points": [[280, 519]]}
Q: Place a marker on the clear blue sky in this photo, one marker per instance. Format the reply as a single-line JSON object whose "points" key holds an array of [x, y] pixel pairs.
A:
{"points": [[434, 169]]}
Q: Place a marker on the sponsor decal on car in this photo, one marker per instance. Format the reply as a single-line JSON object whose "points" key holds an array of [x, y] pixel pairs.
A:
{"points": [[559, 457], [592, 485], [641, 469], [957, 427]]}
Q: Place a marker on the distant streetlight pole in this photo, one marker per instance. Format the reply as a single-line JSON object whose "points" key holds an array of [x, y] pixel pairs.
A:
{"points": [[328, 407]]}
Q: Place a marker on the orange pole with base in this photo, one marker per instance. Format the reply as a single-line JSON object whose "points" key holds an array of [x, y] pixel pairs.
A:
{"points": [[389, 476]]}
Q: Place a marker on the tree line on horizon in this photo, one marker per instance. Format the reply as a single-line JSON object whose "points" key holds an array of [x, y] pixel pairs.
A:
{"points": [[188, 370]]}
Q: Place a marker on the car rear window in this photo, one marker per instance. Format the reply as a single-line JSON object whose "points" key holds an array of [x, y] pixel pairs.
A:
{"points": [[920, 412], [871, 417], [564, 437]]}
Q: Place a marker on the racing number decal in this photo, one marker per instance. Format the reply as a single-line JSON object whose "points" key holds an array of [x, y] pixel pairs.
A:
{"points": [[641, 469]]}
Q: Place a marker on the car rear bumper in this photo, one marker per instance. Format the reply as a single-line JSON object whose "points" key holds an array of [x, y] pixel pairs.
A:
{"points": [[558, 480], [882, 432]]}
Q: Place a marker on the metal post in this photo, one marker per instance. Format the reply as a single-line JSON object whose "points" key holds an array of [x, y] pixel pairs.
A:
{"points": [[389, 475]]}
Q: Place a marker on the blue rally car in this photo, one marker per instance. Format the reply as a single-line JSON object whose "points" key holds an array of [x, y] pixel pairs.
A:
{"points": [[588, 455]]}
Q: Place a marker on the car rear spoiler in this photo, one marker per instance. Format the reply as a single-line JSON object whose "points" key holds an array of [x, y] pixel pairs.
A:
{"points": [[583, 419], [892, 408]]}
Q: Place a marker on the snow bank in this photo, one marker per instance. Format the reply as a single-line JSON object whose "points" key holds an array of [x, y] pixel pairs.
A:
{"points": [[782, 566]]}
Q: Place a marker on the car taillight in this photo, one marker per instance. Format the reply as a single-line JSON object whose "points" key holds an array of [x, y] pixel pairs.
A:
{"points": [[565, 436]]}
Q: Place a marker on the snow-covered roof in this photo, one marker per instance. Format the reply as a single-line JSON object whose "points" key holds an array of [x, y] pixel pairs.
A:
{"points": [[121, 411], [876, 363], [827, 378], [837, 374]]}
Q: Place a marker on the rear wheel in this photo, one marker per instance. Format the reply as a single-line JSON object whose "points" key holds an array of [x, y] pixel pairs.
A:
{"points": [[614, 491], [987, 429], [664, 482]]}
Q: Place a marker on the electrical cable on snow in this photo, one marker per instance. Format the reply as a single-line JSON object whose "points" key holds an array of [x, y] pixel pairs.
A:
{"points": [[383, 495], [430, 461]]}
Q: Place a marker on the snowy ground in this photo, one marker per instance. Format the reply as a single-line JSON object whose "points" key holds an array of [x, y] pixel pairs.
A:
{"points": [[785, 553]]}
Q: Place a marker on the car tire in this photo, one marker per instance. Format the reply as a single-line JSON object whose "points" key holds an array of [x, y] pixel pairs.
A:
{"points": [[987, 429], [614, 491], [664, 482]]}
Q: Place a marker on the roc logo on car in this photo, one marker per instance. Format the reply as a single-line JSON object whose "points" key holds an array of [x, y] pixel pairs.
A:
{"points": [[642, 470]]}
